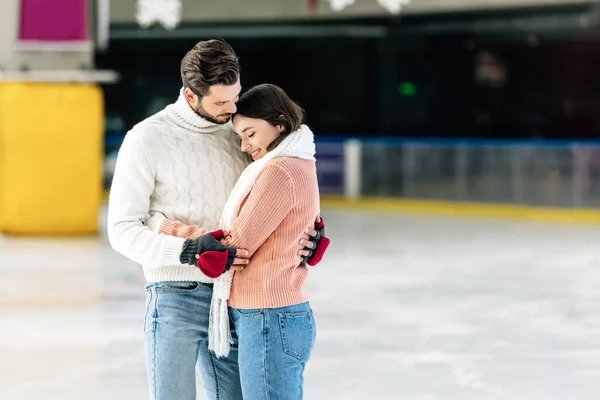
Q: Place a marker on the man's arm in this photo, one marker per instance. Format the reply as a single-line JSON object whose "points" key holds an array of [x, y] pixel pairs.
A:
{"points": [[129, 202]]}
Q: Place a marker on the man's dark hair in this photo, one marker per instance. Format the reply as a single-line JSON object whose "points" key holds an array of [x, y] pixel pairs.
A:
{"points": [[210, 62]]}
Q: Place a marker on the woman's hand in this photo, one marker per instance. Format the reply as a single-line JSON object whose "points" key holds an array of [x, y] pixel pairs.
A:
{"points": [[239, 263], [226, 241]]}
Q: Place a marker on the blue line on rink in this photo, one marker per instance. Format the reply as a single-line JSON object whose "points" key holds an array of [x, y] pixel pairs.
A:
{"points": [[114, 140], [460, 142]]}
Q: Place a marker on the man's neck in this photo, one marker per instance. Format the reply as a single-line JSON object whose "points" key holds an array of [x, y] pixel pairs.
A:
{"points": [[184, 110]]}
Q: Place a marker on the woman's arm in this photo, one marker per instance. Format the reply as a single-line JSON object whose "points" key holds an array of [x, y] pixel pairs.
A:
{"points": [[270, 201], [181, 230], [201, 247], [157, 222]]}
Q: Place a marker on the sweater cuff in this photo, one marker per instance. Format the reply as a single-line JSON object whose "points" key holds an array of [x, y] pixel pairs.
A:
{"points": [[188, 252], [173, 247], [167, 227]]}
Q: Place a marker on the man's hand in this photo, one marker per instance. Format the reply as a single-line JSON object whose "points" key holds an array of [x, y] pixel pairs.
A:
{"points": [[314, 243], [306, 242]]}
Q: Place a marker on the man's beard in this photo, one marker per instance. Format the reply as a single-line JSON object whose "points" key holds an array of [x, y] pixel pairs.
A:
{"points": [[202, 112]]}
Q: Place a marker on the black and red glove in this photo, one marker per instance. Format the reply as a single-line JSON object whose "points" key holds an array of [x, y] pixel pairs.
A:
{"points": [[212, 257], [320, 244]]}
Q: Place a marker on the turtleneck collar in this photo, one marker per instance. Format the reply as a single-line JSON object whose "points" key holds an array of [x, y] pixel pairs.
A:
{"points": [[182, 109]]}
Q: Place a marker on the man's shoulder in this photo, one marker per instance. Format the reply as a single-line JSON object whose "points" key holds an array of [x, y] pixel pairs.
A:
{"points": [[149, 128]]}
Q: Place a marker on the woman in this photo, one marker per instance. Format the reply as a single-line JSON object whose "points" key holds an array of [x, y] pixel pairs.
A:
{"points": [[267, 213]]}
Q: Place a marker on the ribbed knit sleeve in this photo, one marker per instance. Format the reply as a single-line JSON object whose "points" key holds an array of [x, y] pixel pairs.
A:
{"points": [[174, 228], [282, 204], [270, 201]]}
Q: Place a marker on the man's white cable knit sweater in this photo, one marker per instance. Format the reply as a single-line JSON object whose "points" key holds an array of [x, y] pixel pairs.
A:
{"points": [[181, 165]]}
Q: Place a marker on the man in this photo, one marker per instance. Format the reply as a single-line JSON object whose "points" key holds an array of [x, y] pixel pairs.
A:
{"points": [[182, 162]]}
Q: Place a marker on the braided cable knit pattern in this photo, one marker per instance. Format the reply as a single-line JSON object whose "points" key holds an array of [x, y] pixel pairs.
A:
{"points": [[177, 163]]}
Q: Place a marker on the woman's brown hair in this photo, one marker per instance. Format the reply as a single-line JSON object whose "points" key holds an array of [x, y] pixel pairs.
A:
{"points": [[270, 103]]}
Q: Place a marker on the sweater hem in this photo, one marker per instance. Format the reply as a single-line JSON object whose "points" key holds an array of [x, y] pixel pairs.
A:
{"points": [[267, 300], [175, 273]]}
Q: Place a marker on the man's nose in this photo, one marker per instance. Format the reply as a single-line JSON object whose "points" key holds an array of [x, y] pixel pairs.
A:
{"points": [[231, 108]]}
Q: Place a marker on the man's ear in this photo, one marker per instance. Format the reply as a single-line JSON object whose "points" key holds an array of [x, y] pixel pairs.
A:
{"points": [[189, 94]]}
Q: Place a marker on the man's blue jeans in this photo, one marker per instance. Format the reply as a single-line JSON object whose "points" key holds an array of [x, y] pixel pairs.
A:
{"points": [[176, 339], [274, 346]]}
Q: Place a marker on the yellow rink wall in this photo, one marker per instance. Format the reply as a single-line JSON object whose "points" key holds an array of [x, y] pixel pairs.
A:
{"points": [[480, 210], [51, 152]]}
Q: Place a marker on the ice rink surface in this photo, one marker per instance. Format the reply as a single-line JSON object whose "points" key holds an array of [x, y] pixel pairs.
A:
{"points": [[408, 307]]}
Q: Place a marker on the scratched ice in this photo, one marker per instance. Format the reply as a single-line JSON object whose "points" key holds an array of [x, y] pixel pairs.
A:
{"points": [[407, 307]]}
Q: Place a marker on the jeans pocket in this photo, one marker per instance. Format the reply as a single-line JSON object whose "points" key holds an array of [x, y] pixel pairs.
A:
{"points": [[150, 306], [297, 333], [249, 312], [177, 287]]}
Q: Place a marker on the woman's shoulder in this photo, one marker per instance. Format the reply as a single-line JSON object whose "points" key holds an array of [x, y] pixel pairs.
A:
{"points": [[290, 167], [290, 163]]}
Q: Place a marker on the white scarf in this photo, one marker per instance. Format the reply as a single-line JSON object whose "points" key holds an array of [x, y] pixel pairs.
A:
{"points": [[298, 144]]}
